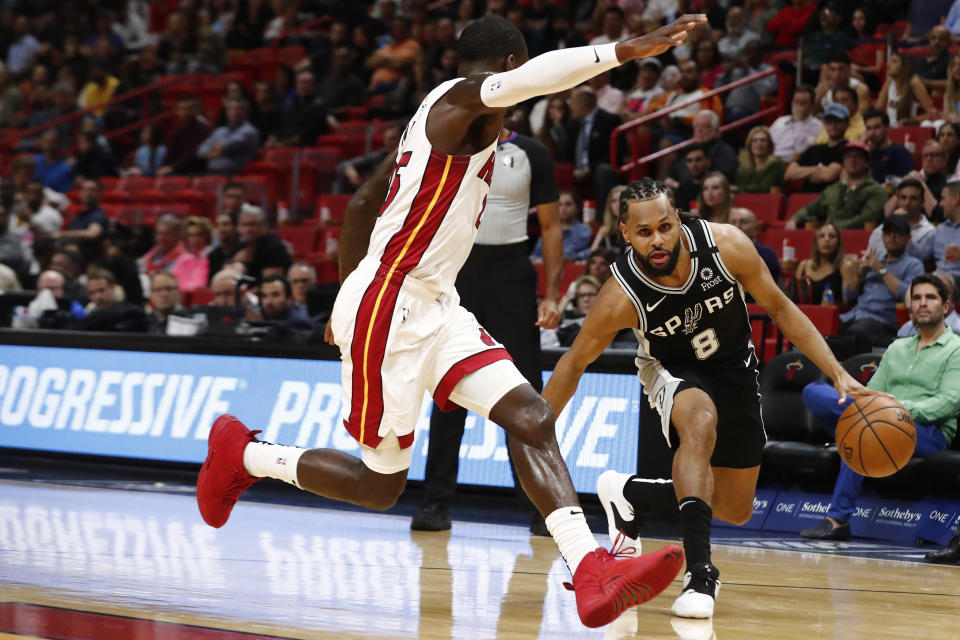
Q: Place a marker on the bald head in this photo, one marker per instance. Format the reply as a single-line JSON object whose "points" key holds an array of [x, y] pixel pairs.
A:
{"points": [[744, 220], [53, 280], [224, 288]]}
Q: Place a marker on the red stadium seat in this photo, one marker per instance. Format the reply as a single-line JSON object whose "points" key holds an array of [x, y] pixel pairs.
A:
{"points": [[855, 240], [170, 184], [331, 208], [114, 196], [209, 184], [802, 240], [201, 296], [915, 136], [768, 207], [135, 184], [324, 161], [825, 318], [302, 237], [797, 201], [563, 172]]}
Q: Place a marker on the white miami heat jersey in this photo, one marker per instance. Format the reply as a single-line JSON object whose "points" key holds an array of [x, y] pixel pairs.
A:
{"points": [[429, 220]]}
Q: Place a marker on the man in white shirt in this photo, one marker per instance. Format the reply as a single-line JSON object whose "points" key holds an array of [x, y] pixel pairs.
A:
{"points": [[910, 204], [32, 212], [613, 27], [737, 37], [794, 133]]}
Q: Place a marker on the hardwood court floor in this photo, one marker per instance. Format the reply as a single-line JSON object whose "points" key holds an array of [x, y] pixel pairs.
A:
{"points": [[88, 563]]}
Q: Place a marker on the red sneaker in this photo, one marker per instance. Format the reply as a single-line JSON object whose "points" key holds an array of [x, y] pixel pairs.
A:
{"points": [[223, 477], [606, 586]]}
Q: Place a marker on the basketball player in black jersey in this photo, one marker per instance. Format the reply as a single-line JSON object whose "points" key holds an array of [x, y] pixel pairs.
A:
{"points": [[680, 287]]}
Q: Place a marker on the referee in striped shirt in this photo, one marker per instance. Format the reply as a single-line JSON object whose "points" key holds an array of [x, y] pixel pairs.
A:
{"points": [[499, 285]]}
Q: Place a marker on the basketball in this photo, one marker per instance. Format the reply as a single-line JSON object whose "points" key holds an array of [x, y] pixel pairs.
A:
{"points": [[876, 436]]}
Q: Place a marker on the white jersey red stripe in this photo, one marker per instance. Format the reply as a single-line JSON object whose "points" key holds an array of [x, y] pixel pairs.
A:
{"points": [[451, 189], [425, 230]]}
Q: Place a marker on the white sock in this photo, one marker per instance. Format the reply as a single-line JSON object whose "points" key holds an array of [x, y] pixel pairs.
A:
{"points": [[572, 535], [267, 460]]}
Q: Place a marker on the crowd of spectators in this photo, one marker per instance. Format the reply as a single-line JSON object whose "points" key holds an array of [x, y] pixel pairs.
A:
{"points": [[382, 57]]}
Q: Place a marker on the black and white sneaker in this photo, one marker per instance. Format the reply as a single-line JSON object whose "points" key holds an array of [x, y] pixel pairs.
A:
{"points": [[621, 522], [700, 587]]}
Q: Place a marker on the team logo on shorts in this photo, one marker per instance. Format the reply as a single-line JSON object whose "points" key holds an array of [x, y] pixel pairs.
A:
{"points": [[706, 273]]}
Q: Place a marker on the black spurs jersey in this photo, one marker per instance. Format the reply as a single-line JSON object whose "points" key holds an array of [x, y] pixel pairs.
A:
{"points": [[704, 321]]}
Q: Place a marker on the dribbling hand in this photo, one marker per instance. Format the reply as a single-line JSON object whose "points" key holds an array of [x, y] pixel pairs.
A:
{"points": [[656, 42]]}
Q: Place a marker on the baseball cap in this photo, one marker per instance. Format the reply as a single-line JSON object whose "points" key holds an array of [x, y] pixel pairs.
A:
{"points": [[897, 223], [836, 110], [857, 146]]}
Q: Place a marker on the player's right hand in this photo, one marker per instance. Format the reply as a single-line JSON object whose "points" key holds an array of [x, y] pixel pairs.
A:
{"points": [[656, 42]]}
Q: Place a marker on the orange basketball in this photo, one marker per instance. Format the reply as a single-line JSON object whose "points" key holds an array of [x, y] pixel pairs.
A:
{"points": [[876, 436]]}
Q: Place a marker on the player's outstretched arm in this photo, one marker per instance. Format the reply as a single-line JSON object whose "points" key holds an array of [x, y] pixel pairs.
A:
{"points": [[360, 216], [563, 69], [611, 312], [748, 267]]}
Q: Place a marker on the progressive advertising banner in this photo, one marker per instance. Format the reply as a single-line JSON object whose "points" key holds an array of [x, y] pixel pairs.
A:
{"points": [[160, 406]]}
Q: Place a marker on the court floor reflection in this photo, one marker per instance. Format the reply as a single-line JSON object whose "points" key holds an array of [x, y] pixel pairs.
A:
{"points": [[104, 561]]}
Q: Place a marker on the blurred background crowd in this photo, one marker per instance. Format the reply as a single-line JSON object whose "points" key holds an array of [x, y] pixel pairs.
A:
{"points": [[183, 166]]}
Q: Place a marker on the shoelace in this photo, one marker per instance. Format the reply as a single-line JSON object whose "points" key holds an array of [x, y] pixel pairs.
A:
{"points": [[601, 554], [620, 550]]}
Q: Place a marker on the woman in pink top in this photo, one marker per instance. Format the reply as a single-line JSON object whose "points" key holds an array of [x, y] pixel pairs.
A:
{"points": [[193, 267]]}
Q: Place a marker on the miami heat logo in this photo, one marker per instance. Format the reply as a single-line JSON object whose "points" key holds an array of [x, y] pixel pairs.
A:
{"points": [[866, 370], [793, 368]]}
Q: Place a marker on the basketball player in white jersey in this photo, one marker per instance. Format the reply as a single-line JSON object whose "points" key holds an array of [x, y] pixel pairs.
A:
{"points": [[401, 330]]}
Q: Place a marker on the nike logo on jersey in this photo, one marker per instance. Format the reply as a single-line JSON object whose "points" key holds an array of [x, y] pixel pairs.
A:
{"points": [[630, 528], [651, 307], [685, 503], [596, 55], [574, 512]]}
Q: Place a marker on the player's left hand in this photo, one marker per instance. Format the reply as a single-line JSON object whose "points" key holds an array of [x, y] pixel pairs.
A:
{"points": [[548, 314], [846, 385]]}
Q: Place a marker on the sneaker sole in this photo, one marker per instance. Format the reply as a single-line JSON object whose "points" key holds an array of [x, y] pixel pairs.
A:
{"points": [[632, 592]]}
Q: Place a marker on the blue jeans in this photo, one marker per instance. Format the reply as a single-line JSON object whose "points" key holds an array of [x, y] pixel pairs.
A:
{"points": [[821, 399]]}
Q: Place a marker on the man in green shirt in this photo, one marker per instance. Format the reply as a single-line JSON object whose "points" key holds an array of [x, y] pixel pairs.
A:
{"points": [[852, 201], [921, 373]]}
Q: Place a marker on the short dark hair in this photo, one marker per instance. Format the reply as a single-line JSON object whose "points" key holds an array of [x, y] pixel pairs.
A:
{"points": [[490, 38], [287, 289], [805, 88], [614, 9], [910, 182], [869, 114], [838, 55], [938, 284], [640, 190], [953, 186], [233, 184], [696, 146], [97, 273], [849, 90]]}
